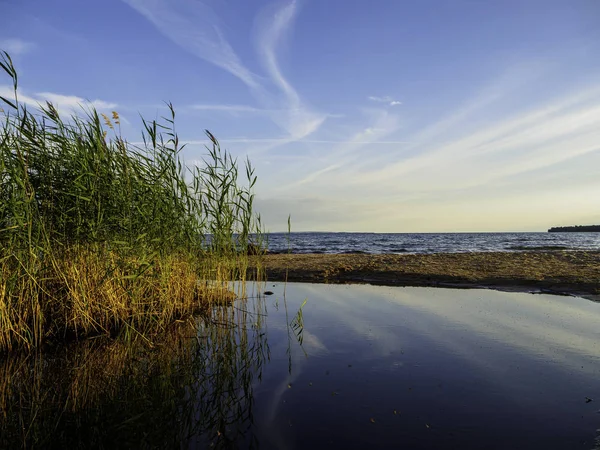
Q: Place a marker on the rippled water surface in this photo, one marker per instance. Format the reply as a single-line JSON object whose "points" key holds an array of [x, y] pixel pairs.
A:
{"points": [[331, 366], [429, 242]]}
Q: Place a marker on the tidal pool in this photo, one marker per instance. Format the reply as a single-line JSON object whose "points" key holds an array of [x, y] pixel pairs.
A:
{"points": [[331, 366]]}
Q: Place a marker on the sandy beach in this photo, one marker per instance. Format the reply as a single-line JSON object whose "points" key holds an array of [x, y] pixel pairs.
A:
{"points": [[554, 272]]}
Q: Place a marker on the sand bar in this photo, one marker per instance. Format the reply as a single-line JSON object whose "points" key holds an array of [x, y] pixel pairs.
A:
{"points": [[555, 272]]}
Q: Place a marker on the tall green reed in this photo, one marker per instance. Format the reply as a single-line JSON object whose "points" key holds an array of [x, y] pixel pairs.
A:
{"points": [[98, 234]]}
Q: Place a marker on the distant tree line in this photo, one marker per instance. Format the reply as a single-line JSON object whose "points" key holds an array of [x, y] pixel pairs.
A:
{"points": [[574, 229]]}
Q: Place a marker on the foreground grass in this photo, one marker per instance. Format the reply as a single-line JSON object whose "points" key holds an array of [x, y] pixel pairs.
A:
{"points": [[98, 236]]}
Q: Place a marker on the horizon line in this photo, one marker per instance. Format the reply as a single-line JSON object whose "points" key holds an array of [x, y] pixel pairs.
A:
{"points": [[405, 232]]}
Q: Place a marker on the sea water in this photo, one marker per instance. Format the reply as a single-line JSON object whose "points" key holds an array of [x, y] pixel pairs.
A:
{"points": [[428, 242]]}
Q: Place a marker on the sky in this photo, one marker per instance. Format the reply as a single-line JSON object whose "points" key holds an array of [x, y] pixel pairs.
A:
{"points": [[358, 115]]}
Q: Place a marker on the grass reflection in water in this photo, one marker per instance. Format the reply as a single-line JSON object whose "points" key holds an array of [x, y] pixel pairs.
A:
{"points": [[193, 386]]}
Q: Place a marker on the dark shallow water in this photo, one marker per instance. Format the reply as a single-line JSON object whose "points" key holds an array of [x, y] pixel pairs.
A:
{"points": [[429, 242], [425, 368], [359, 367]]}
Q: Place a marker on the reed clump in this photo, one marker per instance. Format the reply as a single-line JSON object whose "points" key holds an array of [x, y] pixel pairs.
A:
{"points": [[194, 388], [100, 236]]}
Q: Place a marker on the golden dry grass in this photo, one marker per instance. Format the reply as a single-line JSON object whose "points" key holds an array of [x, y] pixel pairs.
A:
{"points": [[86, 292]]}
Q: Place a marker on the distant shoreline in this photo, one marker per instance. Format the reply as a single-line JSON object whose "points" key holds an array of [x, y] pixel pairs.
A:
{"points": [[554, 272], [575, 229]]}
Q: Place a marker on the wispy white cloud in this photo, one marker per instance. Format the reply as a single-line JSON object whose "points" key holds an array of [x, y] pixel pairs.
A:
{"points": [[449, 136], [389, 100], [380, 99], [284, 140], [348, 152], [195, 27], [73, 102], [525, 141], [234, 109], [67, 104], [229, 108], [16, 46], [273, 24]]}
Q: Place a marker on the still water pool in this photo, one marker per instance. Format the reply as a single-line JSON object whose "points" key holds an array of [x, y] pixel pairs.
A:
{"points": [[326, 366], [383, 367]]}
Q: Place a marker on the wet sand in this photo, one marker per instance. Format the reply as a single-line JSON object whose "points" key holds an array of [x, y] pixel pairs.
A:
{"points": [[554, 272]]}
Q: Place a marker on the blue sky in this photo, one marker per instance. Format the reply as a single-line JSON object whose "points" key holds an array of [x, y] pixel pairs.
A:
{"points": [[380, 115]]}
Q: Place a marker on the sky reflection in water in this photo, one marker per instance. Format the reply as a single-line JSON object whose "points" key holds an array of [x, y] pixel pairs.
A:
{"points": [[429, 368]]}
